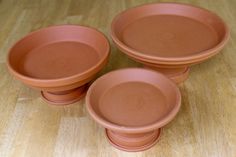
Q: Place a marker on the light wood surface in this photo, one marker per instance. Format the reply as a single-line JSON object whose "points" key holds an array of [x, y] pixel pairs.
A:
{"points": [[204, 127]]}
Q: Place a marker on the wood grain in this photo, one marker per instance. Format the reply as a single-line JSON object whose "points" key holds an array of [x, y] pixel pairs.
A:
{"points": [[205, 125]]}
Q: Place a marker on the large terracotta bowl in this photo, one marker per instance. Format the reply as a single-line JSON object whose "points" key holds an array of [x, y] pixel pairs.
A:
{"points": [[133, 105], [60, 61], [169, 37]]}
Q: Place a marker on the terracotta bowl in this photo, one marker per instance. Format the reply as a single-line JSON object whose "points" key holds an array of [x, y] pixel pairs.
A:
{"points": [[169, 37], [60, 61], [133, 105]]}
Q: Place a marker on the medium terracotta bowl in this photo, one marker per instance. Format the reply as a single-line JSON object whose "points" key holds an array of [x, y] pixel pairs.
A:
{"points": [[133, 105], [169, 37], [60, 61]]}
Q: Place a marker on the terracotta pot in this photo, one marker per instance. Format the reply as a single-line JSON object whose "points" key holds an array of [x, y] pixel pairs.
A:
{"points": [[60, 61], [169, 37], [133, 105]]}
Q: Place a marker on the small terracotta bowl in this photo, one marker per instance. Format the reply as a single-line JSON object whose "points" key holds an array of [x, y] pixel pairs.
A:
{"points": [[60, 61], [169, 37], [133, 104]]}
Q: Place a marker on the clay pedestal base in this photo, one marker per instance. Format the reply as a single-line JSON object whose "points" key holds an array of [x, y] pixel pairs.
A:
{"points": [[177, 75], [133, 142], [64, 97]]}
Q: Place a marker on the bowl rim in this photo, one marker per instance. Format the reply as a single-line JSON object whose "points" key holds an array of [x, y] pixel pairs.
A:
{"points": [[62, 80], [190, 58], [136, 129]]}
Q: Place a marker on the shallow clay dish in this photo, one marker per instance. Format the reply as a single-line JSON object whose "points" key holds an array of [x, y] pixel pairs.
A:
{"points": [[59, 60], [133, 104], [169, 37]]}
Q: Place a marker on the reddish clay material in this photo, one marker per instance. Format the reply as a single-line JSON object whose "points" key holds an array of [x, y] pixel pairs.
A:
{"points": [[177, 75], [169, 35], [133, 142], [133, 105], [65, 97], [59, 61]]}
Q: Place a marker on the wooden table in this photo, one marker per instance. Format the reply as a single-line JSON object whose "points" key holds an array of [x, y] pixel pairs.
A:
{"points": [[204, 127]]}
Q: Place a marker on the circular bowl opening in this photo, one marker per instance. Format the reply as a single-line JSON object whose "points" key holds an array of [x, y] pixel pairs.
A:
{"points": [[133, 100], [169, 32], [58, 53]]}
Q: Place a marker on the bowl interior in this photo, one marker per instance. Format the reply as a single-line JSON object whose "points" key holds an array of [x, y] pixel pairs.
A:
{"points": [[168, 30], [58, 52], [133, 98]]}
